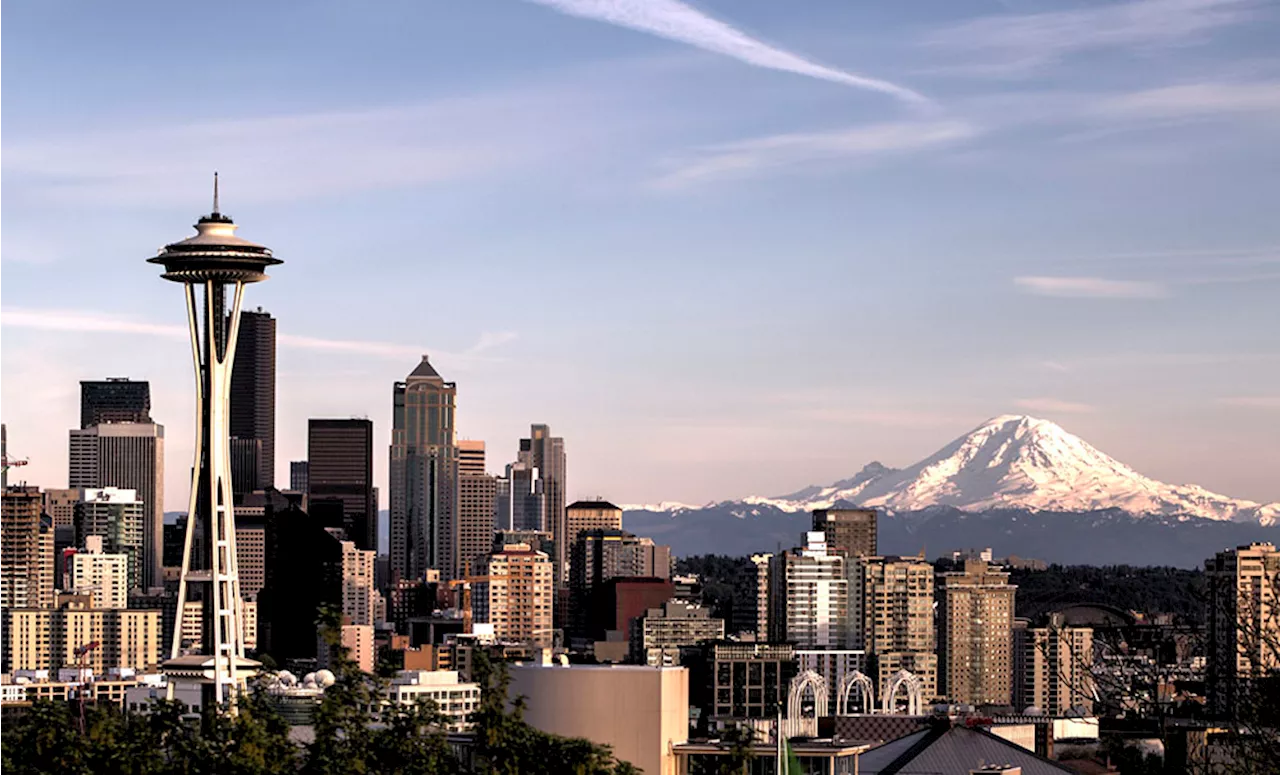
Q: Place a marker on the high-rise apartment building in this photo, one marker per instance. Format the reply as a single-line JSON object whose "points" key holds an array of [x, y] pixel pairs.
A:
{"points": [[516, 595], [477, 496], [546, 453], [975, 635], [760, 576], [424, 475], [809, 597], [127, 455], [893, 619], [26, 550], [299, 475], [590, 515], [253, 404], [340, 467], [116, 516], [359, 592], [60, 505], [1052, 666], [251, 551], [850, 532], [102, 576], [116, 399], [1244, 621]]}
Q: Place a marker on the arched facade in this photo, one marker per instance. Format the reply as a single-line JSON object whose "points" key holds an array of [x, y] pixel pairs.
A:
{"points": [[865, 690], [908, 682], [799, 725]]}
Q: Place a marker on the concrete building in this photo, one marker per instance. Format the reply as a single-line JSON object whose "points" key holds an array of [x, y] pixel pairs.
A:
{"points": [[1244, 619], [893, 619], [128, 456], [340, 467], [104, 576], [1052, 666], [118, 517], [741, 680], [360, 598], [515, 594], [640, 712], [455, 699], [761, 563], [251, 551], [26, 550], [602, 554], [253, 403], [849, 532], [60, 505], [424, 475], [47, 638], [477, 502], [545, 453], [975, 635], [115, 399], [809, 597], [658, 635], [299, 475], [193, 619], [591, 515]]}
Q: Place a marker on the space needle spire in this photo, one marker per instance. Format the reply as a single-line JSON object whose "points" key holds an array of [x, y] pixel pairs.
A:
{"points": [[214, 267]]}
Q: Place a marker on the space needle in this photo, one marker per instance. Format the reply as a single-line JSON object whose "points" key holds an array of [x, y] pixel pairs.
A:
{"points": [[214, 266]]}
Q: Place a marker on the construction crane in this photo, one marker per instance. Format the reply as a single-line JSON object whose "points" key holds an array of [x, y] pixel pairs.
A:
{"points": [[82, 668], [7, 462]]}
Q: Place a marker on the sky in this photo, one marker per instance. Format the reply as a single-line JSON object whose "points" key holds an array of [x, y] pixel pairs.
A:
{"points": [[723, 247]]}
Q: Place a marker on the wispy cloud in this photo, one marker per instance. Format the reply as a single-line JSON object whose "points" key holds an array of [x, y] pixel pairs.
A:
{"points": [[1053, 406], [1194, 100], [677, 21], [755, 156], [104, 323], [1252, 402], [1091, 288], [1011, 43], [883, 418]]}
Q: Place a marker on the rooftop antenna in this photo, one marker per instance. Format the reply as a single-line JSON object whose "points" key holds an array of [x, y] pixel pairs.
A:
{"points": [[215, 194]]}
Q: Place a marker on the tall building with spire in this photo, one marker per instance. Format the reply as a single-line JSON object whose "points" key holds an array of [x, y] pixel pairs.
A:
{"points": [[424, 475], [214, 266], [253, 404]]}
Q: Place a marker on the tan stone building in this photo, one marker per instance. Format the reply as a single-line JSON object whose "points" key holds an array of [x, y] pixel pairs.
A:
{"points": [[515, 594], [1244, 618], [892, 615], [477, 504], [47, 638], [1052, 666], [589, 515], [975, 635]]}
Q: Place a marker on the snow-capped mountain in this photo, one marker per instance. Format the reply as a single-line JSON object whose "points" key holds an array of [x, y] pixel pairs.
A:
{"points": [[1018, 462]]}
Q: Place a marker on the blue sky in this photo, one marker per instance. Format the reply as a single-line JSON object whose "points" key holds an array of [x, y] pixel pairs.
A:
{"points": [[724, 248]]}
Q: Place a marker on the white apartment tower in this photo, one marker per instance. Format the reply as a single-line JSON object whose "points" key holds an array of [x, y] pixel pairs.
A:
{"points": [[809, 597]]}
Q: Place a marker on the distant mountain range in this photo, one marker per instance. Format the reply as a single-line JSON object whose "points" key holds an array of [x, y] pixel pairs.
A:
{"points": [[1019, 484]]}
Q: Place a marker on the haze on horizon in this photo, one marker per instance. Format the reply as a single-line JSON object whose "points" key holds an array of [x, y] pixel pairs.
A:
{"points": [[723, 248]]}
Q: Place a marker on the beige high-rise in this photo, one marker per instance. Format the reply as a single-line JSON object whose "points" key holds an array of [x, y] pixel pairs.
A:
{"points": [[589, 515], [1052, 666], [515, 595], [104, 577], [893, 619], [477, 496], [1244, 618], [975, 635]]}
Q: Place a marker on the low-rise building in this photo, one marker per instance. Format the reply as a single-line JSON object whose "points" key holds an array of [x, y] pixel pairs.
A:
{"points": [[658, 635], [48, 638], [454, 699]]}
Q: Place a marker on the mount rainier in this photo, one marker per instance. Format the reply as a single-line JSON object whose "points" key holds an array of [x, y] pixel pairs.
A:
{"points": [[1009, 468]]}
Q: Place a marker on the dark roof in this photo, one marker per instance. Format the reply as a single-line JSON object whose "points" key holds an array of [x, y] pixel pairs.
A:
{"points": [[949, 749], [593, 505], [425, 369]]}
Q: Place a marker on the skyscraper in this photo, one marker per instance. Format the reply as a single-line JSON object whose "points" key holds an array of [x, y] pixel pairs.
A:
{"points": [[523, 501], [253, 403], [477, 491], [893, 619], [26, 550], [1052, 666], [424, 475], [975, 635], [118, 517], [299, 475], [516, 595], [546, 453], [340, 467], [115, 399], [590, 515], [809, 597], [130, 456], [850, 532]]}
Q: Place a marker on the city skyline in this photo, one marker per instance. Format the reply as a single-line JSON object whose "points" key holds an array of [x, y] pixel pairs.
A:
{"points": [[975, 227]]}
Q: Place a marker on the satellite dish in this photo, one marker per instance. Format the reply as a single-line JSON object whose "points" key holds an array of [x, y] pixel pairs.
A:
{"points": [[324, 678]]}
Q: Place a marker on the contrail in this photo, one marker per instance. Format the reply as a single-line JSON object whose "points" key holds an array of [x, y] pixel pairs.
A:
{"points": [[673, 20]]}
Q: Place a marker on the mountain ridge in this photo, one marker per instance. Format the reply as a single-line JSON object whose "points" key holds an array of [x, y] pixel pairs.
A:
{"points": [[1010, 462]]}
